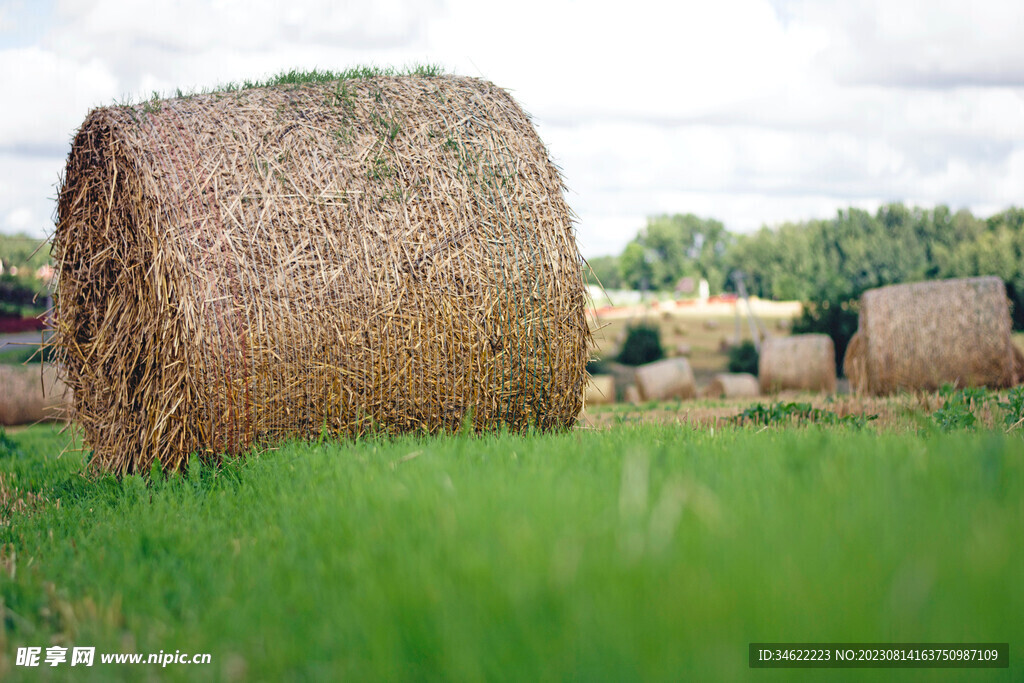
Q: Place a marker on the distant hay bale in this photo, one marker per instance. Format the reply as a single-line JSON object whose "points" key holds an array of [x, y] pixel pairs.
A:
{"points": [[733, 385], [28, 395], [803, 362], [665, 380], [681, 349], [632, 395], [920, 336], [600, 389], [384, 254], [855, 363], [624, 376]]}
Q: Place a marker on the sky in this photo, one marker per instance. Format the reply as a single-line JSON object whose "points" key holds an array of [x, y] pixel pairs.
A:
{"points": [[752, 112]]}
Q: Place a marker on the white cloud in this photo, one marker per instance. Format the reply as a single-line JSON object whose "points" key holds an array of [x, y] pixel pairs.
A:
{"points": [[749, 111], [940, 43], [20, 219], [47, 96], [27, 193]]}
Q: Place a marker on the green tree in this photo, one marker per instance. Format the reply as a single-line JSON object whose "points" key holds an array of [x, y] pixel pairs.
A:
{"points": [[634, 267], [674, 246], [604, 270]]}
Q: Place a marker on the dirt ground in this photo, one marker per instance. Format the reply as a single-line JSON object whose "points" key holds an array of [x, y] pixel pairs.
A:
{"points": [[899, 412]]}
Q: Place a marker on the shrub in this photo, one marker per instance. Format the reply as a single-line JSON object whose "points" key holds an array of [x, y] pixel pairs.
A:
{"points": [[743, 357], [642, 345]]}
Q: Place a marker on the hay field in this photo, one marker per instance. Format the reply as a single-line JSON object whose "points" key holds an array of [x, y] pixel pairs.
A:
{"points": [[899, 412], [704, 328]]}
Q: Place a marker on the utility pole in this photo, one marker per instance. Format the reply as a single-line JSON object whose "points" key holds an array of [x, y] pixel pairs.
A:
{"points": [[757, 331]]}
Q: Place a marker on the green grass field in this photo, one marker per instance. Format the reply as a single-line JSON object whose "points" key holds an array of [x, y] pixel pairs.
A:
{"points": [[649, 552]]}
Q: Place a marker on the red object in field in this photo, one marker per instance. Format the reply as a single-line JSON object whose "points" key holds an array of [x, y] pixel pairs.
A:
{"points": [[12, 324], [723, 299]]}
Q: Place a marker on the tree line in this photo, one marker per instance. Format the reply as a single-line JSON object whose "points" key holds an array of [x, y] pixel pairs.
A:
{"points": [[20, 258], [827, 264]]}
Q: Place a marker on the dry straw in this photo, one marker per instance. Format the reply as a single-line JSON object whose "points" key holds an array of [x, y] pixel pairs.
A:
{"points": [[390, 253], [920, 336], [29, 395], [803, 362], [665, 380], [733, 385]]}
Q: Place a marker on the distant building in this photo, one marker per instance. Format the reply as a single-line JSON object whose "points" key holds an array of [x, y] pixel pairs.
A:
{"points": [[685, 285]]}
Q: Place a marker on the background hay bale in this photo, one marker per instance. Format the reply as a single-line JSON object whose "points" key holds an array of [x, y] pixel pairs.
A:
{"points": [[680, 349], [665, 380], [28, 395], [632, 395], [600, 389], [855, 364], [733, 385], [922, 335], [380, 254], [803, 362]]}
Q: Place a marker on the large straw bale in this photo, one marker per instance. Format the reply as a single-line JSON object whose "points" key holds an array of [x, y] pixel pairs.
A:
{"points": [[381, 254], [667, 379], [920, 336], [29, 394], [803, 362], [733, 385]]}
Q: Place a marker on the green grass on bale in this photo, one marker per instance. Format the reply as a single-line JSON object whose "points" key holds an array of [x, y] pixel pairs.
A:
{"points": [[299, 77], [653, 552]]}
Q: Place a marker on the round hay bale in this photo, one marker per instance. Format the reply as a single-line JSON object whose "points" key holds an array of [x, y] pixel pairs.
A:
{"points": [[29, 394], [803, 362], [384, 254], [733, 385], [920, 336], [665, 380], [624, 376], [600, 389], [855, 364]]}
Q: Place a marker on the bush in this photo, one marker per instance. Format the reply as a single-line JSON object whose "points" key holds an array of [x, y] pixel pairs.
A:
{"points": [[15, 295], [642, 345], [743, 358], [26, 353]]}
